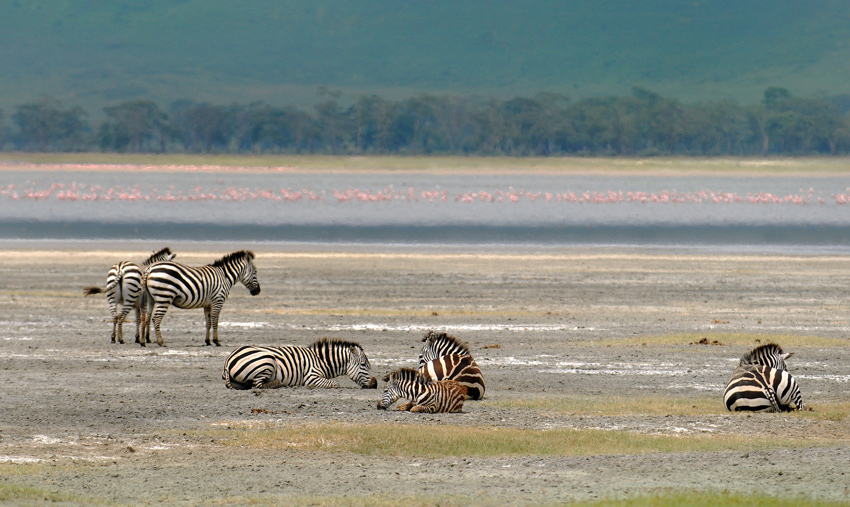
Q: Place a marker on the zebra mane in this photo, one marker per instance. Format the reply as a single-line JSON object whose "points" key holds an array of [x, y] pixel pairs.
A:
{"points": [[325, 344], [409, 375], [246, 255], [445, 341], [768, 349], [162, 255]]}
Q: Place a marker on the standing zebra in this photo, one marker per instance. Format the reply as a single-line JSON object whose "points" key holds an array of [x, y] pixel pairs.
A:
{"points": [[425, 395], [123, 291], [761, 382], [170, 283], [446, 357], [288, 366]]}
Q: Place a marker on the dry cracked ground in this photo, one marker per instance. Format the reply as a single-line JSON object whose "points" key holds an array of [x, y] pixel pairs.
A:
{"points": [[569, 340]]}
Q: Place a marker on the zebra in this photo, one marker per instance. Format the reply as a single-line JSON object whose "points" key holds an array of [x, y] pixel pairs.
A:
{"points": [[769, 354], [170, 283], [436, 345], [123, 291], [445, 357], [425, 395], [261, 367], [761, 382]]}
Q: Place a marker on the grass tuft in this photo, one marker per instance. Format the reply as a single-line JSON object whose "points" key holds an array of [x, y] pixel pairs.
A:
{"points": [[708, 499], [431, 441], [615, 405]]}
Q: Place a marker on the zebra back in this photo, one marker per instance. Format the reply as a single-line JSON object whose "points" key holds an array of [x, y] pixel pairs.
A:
{"points": [[440, 344], [769, 354], [461, 369], [762, 388]]}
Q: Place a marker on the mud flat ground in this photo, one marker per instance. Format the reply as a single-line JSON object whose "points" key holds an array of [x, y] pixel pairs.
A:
{"points": [[83, 420]]}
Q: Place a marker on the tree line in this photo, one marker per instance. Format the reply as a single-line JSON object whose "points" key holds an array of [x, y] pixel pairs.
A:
{"points": [[643, 123]]}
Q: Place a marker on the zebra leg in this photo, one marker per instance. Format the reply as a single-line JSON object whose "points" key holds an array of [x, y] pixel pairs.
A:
{"points": [[207, 310], [119, 323], [138, 311], [315, 379], [159, 310], [425, 409], [404, 407], [215, 311], [114, 327]]}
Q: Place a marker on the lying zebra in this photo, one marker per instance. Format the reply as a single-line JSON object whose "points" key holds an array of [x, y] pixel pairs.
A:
{"points": [[761, 382], [425, 394], [289, 366], [444, 357], [124, 290]]}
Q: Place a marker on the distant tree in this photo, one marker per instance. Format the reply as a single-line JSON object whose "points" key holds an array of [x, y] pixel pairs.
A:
{"points": [[209, 128], [43, 125], [451, 114], [774, 96], [136, 126], [372, 118], [332, 122]]}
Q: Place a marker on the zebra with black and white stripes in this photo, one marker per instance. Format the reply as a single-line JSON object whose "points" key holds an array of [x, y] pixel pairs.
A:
{"points": [[124, 290], [435, 345], [425, 395], [761, 382], [444, 357], [170, 283], [260, 367]]}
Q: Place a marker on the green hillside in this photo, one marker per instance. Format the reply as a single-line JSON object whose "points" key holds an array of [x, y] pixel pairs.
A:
{"points": [[98, 52]]}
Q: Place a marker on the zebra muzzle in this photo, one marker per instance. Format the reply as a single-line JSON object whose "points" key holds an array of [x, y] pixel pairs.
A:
{"points": [[256, 291], [381, 407], [373, 384]]}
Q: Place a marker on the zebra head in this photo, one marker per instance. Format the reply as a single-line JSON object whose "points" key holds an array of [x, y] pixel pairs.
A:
{"points": [[769, 354], [163, 255], [436, 345], [358, 369], [401, 383], [242, 263]]}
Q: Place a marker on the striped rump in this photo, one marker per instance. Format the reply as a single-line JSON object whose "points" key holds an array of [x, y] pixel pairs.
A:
{"points": [[761, 383]]}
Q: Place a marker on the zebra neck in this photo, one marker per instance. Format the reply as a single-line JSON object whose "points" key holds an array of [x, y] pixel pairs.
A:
{"points": [[231, 274]]}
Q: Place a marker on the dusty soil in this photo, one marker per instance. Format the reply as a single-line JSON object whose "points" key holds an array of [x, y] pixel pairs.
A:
{"points": [[101, 421]]}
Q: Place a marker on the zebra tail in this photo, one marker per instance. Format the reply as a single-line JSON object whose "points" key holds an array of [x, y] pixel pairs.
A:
{"points": [[771, 395], [226, 376], [90, 291]]}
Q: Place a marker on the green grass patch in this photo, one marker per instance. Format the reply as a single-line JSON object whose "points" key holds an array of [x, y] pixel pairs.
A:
{"points": [[431, 441], [708, 499], [709, 339], [16, 493], [615, 405]]}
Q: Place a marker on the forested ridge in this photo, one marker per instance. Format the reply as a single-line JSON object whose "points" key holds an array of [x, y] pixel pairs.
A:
{"points": [[643, 123]]}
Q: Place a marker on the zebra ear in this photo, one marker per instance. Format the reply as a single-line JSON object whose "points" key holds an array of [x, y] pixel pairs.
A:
{"points": [[786, 356], [387, 377]]}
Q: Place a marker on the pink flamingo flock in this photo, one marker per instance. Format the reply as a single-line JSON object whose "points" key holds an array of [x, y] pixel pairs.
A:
{"points": [[74, 191]]}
